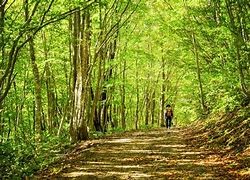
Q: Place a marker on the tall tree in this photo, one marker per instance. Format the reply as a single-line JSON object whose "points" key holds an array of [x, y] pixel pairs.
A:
{"points": [[78, 124], [202, 100], [37, 81]]}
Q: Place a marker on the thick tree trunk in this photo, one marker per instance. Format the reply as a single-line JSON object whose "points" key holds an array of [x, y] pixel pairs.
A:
{"points": [[78, 126]]}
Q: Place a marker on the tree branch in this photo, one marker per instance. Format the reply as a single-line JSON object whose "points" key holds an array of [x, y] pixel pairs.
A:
{"points": [[3, 3], [13, 55]]}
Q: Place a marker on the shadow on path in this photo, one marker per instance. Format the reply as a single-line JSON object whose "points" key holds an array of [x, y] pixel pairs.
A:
{"points": [[157, 154]]}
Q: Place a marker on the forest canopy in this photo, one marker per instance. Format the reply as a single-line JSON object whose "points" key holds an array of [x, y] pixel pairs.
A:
{"points": [[71, 69]]}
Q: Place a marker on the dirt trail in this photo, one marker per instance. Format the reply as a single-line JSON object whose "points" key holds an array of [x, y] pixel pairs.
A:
{"points": [[157, 154]]}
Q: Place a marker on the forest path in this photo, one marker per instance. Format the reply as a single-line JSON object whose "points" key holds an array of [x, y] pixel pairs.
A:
{"points": [[153, 154]]}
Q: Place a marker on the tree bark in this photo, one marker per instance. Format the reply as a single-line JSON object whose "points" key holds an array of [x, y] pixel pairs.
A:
{"points": [[51, 100], [78, 125], [123, 96], [2, 60], [37, 81], [137, 96], [163, 89], [203, 105], [153, 103]]}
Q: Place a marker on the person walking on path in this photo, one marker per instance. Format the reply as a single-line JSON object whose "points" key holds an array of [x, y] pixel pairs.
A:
{"points": [[168, 116]]}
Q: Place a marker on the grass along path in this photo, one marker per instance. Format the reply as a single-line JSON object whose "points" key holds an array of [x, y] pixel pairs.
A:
{"points": [[153, 154]]}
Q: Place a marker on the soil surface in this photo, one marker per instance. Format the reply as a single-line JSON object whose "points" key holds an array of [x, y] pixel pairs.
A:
{"points": [[152, 154]]}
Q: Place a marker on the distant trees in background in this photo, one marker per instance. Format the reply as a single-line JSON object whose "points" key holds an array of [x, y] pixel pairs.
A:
{"points": [[69, 69]]}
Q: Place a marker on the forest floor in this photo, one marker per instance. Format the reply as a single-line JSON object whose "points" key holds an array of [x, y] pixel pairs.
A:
{"points": [[152, 154]]}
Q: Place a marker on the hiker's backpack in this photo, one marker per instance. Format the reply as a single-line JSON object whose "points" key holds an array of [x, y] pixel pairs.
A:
{"points": [[169, 112]]}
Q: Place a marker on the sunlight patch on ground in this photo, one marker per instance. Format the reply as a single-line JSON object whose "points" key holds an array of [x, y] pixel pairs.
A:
{"points": [[165, 161], [153, 157], [171, 145], [77, 174], [183, 160], [138, 143], [139, 151], [151, 139], [245, 172], [125, 140], [246, 152], [128, 175], [111, 166], [186, 174], [209, 163], [139, 175], [144, 151], [99, 162], [100, 174], [170, 172], [190, 153]]}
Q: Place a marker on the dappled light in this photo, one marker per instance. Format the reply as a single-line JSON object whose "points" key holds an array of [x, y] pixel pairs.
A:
{"points": [[150, 155], [172, 145], [100, 174], [120, 141], [124, 89]]}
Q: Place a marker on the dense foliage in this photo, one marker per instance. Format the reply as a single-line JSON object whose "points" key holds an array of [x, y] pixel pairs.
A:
{"points": [[71, 69]]}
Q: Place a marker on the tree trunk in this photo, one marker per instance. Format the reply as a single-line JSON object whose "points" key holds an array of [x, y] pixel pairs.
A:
{"points": [[137, 96], [37, 81], [147, 105], [2, 61], [123, 96], [153, 108], [163, 89], [203, 105], [51, 100], [78, 126], [2, 47]]}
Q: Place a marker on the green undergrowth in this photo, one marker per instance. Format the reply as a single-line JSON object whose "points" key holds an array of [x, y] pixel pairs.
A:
{"points": [[22, 159], [229, 130]]}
